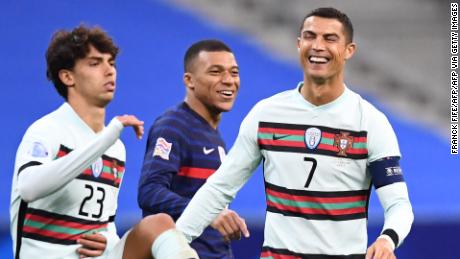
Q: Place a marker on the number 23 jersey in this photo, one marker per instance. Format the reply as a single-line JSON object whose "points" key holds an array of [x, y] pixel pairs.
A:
{"points": [[84, 205]]}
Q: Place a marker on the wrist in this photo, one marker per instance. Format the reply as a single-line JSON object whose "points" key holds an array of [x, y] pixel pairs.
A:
{"points": [[390, 241], [393, 235], [116, 124]]}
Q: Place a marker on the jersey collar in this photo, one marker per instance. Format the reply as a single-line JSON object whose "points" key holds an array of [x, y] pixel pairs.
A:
{"points": [[326, 106]]}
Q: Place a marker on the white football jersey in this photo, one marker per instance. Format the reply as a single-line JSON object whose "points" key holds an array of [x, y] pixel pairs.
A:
{"points": [[315, 168], [86, 204]]}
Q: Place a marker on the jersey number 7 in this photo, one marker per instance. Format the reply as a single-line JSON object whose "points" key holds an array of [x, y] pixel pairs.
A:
{"points": [[312, 170]]}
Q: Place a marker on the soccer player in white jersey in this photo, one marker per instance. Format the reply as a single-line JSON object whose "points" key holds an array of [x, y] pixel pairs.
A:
{"points": [[322, 147], [69, 165]]}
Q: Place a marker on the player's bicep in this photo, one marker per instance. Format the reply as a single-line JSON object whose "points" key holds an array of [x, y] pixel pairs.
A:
{"points": [[33, 153], [386, 171], [162, 157]]}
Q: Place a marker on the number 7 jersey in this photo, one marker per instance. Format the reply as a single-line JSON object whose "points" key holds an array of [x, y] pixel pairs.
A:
{"points": [[316, 164], [315, 161], [86, 204]]}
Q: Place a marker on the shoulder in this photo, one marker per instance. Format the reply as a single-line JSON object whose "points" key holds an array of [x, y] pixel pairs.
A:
{"points": [[370, 113], [274, 100], [117, 151], [279, 97], [381, 138], [47, 126], [172, 117], [173, 124], [41, 140]]}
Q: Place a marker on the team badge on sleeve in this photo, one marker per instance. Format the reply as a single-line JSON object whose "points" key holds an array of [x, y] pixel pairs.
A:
{"points": [[162, 148]]}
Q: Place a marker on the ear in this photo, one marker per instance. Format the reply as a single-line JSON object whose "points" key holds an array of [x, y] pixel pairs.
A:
{"points": [[188, 81], [350, 50], [298, 44], [66, 77]]}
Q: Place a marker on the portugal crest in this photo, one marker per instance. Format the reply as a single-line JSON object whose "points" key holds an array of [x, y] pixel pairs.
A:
{"points": [[343, 142], [312, 137]]}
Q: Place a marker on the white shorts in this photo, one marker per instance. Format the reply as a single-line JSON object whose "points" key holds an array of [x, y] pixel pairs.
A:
{"points": [[117, 251]]}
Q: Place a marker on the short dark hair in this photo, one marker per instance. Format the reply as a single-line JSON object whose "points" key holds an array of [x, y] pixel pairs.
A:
{"points": [[330, 12], [68, 46], [203, 45]]}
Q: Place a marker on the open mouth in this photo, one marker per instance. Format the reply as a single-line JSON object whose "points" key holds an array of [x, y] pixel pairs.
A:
{"points": [[226, 93], [318, 60]]}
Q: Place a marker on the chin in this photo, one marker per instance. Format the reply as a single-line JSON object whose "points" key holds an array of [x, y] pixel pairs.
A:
{"points": [[105, 101], [317, 76], [225, 107]]}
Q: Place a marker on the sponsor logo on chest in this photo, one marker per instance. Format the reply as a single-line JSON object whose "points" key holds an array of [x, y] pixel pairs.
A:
{"points": [[207, 151]]}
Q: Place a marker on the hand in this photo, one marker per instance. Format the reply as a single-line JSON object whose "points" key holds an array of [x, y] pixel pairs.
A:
{"points": [[131, 120], [230, 225], [380, 249], [92, 245]]}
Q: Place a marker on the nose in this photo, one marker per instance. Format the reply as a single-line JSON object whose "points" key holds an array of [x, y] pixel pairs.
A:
{"points": [[318, 44], [227, 78], [109, 69]]}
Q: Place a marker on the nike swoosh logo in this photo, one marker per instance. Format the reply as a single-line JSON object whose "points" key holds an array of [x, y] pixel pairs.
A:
{"points": [[207, 151], [279, 136]]}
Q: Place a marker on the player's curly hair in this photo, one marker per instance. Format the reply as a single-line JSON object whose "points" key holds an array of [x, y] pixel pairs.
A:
{"points": [[68, 46], [332, 13]]}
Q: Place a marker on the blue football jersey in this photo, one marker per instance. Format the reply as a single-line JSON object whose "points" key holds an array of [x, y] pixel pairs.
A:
{"points": [[183, 150]]}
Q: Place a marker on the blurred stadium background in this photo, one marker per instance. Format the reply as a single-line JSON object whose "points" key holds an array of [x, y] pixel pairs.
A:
{"points": [[402, 66]]}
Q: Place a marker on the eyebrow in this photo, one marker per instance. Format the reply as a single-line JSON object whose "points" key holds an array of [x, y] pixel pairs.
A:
{"points": [[331, 34], [99, 58], [222, 67], [324, 35]]}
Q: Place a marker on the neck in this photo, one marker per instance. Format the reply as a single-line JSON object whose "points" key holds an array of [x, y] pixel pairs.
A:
{"points": [[319, 92], [211, 116], [92, 115]]}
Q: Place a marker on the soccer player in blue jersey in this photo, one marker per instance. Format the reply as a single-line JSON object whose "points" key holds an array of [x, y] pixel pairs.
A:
{"points": [[322, 147], [184, 146], [70, 165]]}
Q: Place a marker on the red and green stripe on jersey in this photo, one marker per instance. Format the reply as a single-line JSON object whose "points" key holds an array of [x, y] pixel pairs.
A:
{"points": [[338, 206], [57, 228], [277, 253], [111, 173], [330, 141]]}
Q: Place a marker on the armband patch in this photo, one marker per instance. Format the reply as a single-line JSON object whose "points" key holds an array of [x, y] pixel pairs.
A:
{"points": [[386, 171]]}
